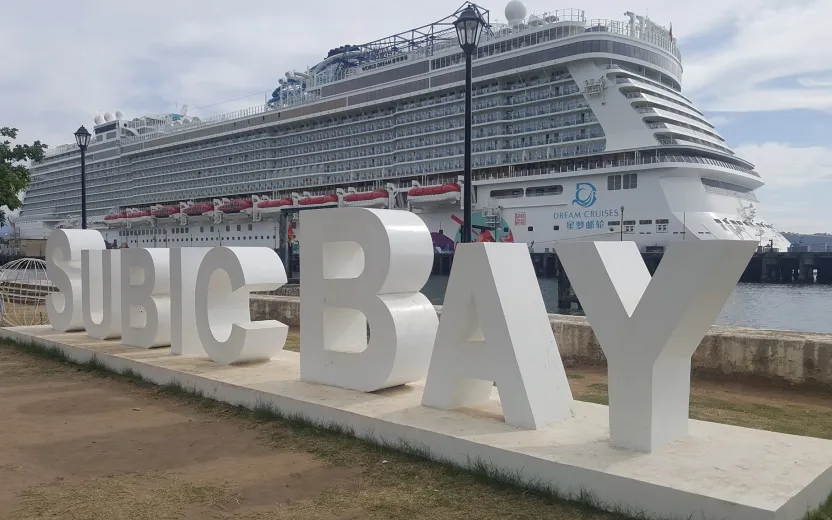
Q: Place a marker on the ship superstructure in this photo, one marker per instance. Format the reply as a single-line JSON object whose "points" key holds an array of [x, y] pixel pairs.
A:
{"points": [[580, 131]]}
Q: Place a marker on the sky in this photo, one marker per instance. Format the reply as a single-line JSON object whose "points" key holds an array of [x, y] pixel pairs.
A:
{"points": [[761, 70]]}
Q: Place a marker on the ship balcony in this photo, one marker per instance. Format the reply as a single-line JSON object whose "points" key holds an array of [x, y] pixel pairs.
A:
{"points": [[643, 87], [681, 121], [674, 139], [675, 107], [682, 129]]}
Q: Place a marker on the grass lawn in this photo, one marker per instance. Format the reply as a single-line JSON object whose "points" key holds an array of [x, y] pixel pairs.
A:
{"points": [[347, 478]]}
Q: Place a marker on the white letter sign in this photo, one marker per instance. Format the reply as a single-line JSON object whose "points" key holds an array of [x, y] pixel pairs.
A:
{"points": [[494, 329], [101, 301], [226, 278], [649, 328], [145, 297], [63, 265], [365, 265], [184, 265]]}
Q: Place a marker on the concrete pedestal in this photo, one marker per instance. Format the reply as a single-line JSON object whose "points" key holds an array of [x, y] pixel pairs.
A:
{"points": [[717, 472]]}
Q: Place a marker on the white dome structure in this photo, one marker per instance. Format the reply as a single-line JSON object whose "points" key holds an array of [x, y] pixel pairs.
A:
{"points": [[515, 12], [119, 114], [23, 290], [108, 116], [98, 119]]}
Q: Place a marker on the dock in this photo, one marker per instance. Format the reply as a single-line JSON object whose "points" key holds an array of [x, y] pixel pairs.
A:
{"points": [[786, 267]]}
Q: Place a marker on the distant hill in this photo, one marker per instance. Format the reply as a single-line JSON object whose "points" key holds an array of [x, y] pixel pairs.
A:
{"points": [[817, 242]]}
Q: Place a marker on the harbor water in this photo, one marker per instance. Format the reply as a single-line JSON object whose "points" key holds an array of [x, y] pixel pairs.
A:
{"points": [[803, 308]]}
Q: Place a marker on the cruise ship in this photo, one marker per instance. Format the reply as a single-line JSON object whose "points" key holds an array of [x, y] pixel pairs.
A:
{"points": [[580, 132]]}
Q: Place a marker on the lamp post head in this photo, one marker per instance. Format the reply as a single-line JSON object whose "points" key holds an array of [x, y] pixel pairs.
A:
{"points": [[82, 138], [469, 27]]}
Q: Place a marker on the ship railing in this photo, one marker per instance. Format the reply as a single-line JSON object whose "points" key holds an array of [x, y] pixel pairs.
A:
{"points": [[654, 36], [221, 118], [592, 165], [60, 149]]}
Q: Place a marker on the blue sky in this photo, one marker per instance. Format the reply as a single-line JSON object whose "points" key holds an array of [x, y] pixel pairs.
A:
{"points": [[760, 69]]}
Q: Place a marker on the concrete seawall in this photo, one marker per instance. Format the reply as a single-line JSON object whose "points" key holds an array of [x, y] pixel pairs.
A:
{"points": [[784, 357]]}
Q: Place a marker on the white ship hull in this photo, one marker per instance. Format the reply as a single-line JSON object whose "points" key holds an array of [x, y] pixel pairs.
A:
{"points": [[580, 132], [540, 221]]}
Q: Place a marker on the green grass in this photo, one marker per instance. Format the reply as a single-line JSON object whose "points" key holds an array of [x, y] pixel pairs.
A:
{"points": [[400, 479]]}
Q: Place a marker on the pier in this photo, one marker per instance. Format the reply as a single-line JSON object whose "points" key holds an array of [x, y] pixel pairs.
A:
{"points": [[805, 267]]}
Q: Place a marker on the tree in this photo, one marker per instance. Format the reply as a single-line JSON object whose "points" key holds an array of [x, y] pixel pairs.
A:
{"points": [[14, 169]]}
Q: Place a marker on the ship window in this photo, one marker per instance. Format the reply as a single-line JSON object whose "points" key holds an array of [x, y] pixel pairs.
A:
{"points": [[249, 227], [238, 227], [544, 190], [662, 221], [186, 230], [228, 228], [661, 228], [644, 222], [629, 228], [201, 229], [630, 181], [212, 229], [531, 228], [505, 230], [507, 193], [613, 182], [556, 228]]}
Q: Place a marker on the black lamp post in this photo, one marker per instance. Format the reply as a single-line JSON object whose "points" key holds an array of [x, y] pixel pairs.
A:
{"points": [[469, 27], [622, 224], [82, 139]]}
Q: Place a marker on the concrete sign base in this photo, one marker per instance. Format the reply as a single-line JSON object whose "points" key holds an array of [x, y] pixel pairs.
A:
{"points": [[718, 471]]}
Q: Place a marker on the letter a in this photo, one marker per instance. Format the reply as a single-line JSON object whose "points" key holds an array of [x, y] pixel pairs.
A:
{"points": [[649, 328], [363, 266], [63, 268], [494, 329]]}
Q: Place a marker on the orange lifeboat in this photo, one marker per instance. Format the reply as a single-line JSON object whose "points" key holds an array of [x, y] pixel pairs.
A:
{"points": [[448, 192], [318, 201], [136, 216], [367, 198], [198, 209], [235, 206], [274, 205], [165, 211], [115, 219]]}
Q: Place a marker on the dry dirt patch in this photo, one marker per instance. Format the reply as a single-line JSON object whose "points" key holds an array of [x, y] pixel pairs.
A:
{"points": [[79, 444]]}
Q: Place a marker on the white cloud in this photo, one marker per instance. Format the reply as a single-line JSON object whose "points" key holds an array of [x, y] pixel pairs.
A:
{"points": [[783, 165], [798, 184], [822, 82], [780, 40], [151, 56], [720, 120], [762, 100]]}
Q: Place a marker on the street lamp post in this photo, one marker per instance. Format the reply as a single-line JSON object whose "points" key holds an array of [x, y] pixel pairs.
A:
{"points": [[622, 224], [469, 27], [82, 139]]}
